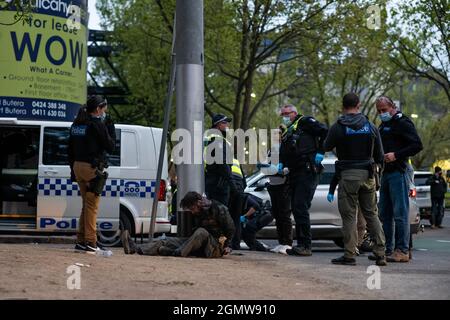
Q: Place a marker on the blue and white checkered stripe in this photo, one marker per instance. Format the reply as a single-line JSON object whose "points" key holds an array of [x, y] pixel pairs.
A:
{"points": [[113, 188]]}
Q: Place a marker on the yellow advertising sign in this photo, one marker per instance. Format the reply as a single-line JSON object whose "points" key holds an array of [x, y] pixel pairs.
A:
{"points": [[43, 61]]}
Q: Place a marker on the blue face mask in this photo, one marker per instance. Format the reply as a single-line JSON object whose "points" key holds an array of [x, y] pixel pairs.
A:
{"points": [[385, 117], [286, 121], [103, 116]]}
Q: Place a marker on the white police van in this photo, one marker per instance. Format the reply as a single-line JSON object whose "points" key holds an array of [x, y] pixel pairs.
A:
{"points": [[36, 193]]}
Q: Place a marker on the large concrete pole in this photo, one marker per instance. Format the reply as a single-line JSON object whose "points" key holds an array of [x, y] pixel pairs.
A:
{"points": [[190, 97]]}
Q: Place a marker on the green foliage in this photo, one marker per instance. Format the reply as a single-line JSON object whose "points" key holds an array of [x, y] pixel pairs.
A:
{"points": [[24, 9], [261, 54]]}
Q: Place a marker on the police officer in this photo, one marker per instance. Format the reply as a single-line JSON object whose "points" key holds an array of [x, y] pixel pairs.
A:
{"points": [[218, 175], [302, 152], [92, 135], [278, 189], [438, 189], [360, 152], [400, 141], [237, 200]]}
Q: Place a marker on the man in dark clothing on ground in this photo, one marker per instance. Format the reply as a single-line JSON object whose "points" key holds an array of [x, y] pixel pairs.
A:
{"points": [[212, 232], [400, 141], [438, 188], [257, 216], [302, 153], [359, 150]]}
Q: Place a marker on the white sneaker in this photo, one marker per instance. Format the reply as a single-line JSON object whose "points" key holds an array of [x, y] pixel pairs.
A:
{"points": [[283, 249], [276, 249]]}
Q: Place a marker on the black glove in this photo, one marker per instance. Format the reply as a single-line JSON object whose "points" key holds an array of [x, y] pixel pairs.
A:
{"points": [[109, 123]]}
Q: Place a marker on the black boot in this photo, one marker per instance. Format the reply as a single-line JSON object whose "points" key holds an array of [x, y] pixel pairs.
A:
{"points": [[129, 247], [344, 261]]}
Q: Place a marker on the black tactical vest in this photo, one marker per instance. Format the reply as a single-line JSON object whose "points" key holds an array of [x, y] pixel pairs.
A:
{"points": [[355, 144]]}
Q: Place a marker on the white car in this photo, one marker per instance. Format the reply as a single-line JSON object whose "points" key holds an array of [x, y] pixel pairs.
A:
{"points": [[37, 194], [326, 222], [423, 196]]}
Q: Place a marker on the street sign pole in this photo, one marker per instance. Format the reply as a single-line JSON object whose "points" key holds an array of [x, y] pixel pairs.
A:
{"points": [[189, 98]]}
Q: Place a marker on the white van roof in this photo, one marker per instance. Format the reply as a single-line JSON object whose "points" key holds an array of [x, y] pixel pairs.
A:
{"points": [[15, 121]]}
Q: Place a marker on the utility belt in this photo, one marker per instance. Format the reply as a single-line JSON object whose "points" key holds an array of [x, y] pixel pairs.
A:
{"points": [[307, 164], [369, 165], [398, 165], [99, 164]]}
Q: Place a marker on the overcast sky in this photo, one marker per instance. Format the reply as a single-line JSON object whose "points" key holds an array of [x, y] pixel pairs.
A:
{"points": [[94, 19]]}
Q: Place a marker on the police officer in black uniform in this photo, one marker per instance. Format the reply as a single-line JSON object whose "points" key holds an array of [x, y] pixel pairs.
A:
{"points": [[218, 175], [92, 136], [400, 141], [360, 154], [302, 152], [237, 201]]}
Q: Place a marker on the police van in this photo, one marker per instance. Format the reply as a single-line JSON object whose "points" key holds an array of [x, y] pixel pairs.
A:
{"points": [[37, 195]]}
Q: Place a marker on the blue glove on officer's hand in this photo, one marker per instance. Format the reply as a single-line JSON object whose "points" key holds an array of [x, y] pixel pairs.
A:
{"points": [[319, 158], [330, 197], [243, 219], [280, 168]]}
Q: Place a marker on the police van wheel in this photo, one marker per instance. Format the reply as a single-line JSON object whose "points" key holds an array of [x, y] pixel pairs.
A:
{"points": [[339, 242], [112, 238]]}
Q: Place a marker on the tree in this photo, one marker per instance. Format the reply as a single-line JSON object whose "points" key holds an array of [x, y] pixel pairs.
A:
{"points": [[264, 36], [421, 40], [23, 9], [143, 32], [349, 58]]}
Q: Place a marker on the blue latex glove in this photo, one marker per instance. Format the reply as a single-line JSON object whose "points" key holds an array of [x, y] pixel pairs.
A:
{"points": [[280, 168], [319, 158], [244, 219], [330, 197]]}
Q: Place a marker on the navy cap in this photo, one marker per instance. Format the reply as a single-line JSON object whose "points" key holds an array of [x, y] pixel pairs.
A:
{"points": [[218, 117]]}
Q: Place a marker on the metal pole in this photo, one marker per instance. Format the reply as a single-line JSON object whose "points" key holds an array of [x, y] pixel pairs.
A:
{"points": [[190, 98], [162, 148]]}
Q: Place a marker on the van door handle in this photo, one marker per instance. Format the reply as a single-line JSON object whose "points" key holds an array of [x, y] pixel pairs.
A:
{"points": [[50, 171]]}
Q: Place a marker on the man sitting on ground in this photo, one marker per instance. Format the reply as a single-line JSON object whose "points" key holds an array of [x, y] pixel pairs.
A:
{"points": [[212, 232]]}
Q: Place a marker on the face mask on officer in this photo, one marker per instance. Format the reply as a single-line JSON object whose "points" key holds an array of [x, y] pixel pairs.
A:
{"points": [[286, 120], [288, 114], [386, 108], [385, 117]]}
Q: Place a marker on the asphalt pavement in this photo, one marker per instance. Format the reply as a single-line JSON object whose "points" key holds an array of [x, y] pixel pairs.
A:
{"points": [[427, 276]]}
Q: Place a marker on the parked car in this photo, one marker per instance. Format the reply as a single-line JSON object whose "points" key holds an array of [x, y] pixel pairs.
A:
{"points": [[423, 196], [326, 222]]}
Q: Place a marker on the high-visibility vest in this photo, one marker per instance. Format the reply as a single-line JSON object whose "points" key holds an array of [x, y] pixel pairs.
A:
{"points": [[236, 168]]}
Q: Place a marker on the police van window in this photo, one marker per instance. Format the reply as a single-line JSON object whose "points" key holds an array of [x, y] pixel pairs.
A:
{"points": [[114, 158], [56, 143], [129, 149], [19, 148]]}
